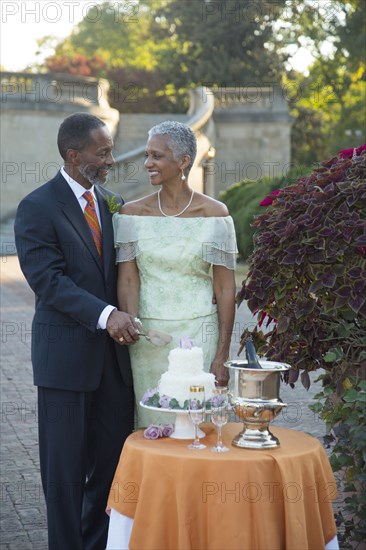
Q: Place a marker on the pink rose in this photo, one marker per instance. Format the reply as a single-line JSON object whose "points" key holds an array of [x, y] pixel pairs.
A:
{"points": [[149, 393], [167, 430], [153, 432], [164, 401]]}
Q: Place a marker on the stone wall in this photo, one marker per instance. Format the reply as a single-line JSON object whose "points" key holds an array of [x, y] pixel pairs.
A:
{"points": [[252, 135]]}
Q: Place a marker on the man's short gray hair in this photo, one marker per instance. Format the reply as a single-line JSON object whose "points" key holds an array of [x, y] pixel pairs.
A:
{"points": [[181, 139]]}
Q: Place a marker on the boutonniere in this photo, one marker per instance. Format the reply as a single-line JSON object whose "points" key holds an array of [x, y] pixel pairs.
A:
{"points": [[113, 204]]}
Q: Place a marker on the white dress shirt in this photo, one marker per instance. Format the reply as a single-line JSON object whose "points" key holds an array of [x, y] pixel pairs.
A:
{"points": [[78, 191]]}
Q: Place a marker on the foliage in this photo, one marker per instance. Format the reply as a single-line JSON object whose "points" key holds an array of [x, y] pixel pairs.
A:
{"points": [[77, 64], [308, 270], [347, 439], [205, 51], [113, 204], [141, 91], [167, 46], [117, 32], [153, 50], [165, 402], [327, 111], [242, 200], [307, 278], [328, 103]]}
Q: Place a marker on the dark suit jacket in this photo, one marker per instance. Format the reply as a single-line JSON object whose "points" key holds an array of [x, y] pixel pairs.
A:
{"points": [[60, 262]]}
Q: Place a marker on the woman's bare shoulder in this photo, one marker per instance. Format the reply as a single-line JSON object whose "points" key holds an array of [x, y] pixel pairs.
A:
{"points": [[139, 207], [212, 207]]}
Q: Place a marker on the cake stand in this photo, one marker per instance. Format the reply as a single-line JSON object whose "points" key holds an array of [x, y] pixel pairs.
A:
{"points": [[183, 427]]}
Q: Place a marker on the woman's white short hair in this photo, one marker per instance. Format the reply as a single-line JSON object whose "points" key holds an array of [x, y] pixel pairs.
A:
{"points": [[181, 139]]}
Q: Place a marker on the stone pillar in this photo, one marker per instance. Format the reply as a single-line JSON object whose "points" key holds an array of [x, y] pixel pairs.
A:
{"points": [[252, 135]]}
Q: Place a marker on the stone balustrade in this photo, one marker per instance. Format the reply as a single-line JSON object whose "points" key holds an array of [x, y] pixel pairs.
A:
{"points": [[52, 89]]}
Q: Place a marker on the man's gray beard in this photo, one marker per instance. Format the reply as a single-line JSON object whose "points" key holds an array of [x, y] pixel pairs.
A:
{"points": [[93, 180]]}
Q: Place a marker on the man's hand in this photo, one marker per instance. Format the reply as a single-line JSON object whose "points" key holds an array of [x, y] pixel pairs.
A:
{"points": [[122, 327]]}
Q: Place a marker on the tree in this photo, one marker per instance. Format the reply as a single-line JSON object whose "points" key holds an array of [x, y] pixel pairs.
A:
{"points": [[117, 33], [156, 49], [223, 43], [330, 100], [179, 44]]}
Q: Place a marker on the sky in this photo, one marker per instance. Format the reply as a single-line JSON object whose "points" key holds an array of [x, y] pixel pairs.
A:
{"points": [[24, 21]]}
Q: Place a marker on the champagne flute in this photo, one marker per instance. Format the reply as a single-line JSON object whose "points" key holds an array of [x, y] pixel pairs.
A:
{"points": [[197, 411], [219, 415]]}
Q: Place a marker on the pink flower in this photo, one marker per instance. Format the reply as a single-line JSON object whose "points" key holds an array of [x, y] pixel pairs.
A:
{"points": [[270, 198], [263, 316], [185, 342], [167, 430], [153, 432], [218, 401], [349, 153], [164, 402], [148, 394]]}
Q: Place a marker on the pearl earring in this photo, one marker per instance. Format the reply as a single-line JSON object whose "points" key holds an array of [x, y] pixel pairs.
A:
{"points": [[183, 176]]}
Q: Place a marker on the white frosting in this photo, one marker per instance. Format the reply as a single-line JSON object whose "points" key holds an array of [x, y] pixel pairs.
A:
{"points": [[185, 369]]}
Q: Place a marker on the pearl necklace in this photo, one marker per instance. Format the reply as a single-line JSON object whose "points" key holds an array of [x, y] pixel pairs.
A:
{"points": [[180, 213]]}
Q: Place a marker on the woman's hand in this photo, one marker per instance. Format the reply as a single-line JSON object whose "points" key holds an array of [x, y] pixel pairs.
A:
{"points": [[221, 372], [128, 290]]}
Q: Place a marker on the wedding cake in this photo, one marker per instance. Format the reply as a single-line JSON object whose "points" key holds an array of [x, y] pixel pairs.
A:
{"points": [[185, 369]]}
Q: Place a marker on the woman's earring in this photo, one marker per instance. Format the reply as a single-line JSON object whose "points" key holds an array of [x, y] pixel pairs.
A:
{"points": [[183, 176]]}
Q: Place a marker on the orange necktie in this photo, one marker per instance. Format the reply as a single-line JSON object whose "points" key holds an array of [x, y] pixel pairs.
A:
{"points": [[92, 219]]}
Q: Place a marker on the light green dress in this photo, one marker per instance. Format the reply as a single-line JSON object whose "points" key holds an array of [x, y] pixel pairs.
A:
{"points": [[174, 257]]}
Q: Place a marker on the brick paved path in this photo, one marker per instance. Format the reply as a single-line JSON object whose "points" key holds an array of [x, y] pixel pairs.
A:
{"points": [[23, 524]]}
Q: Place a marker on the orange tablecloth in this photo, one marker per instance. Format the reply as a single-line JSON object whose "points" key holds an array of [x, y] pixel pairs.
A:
{"points": [[243, 499]]}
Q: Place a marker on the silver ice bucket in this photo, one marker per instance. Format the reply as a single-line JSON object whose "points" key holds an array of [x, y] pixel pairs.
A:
{"points": [[256, 401]]}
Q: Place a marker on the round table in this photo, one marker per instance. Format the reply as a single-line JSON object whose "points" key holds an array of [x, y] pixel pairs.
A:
{"points": [[243, 499]]}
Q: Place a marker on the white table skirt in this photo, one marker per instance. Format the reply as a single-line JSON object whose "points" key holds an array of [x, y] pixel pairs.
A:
{"points": [[120, 528], [119, 532]]}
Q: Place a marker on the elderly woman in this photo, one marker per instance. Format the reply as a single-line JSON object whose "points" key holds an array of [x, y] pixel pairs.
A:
{"points": [[176, 248]]}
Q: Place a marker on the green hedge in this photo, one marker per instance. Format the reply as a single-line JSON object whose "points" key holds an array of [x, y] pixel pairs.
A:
{"points": [[243, 198]]}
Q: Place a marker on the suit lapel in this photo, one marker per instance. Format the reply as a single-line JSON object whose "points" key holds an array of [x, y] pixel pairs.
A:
{"points": [[71, 209], [107, 230]]}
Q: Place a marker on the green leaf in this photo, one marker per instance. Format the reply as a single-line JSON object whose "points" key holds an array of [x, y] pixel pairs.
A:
{"points": [[113, 204], [316, 407], [153, 401], [174, 404], [351, 396], [332, 355]]}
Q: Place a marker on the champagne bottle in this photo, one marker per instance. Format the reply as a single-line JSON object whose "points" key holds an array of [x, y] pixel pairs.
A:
{"points": [[251, 354]]}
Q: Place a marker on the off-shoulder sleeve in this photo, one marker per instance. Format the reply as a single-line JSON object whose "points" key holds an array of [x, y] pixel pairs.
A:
{"points": [[125, 238], [220, 247]]}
